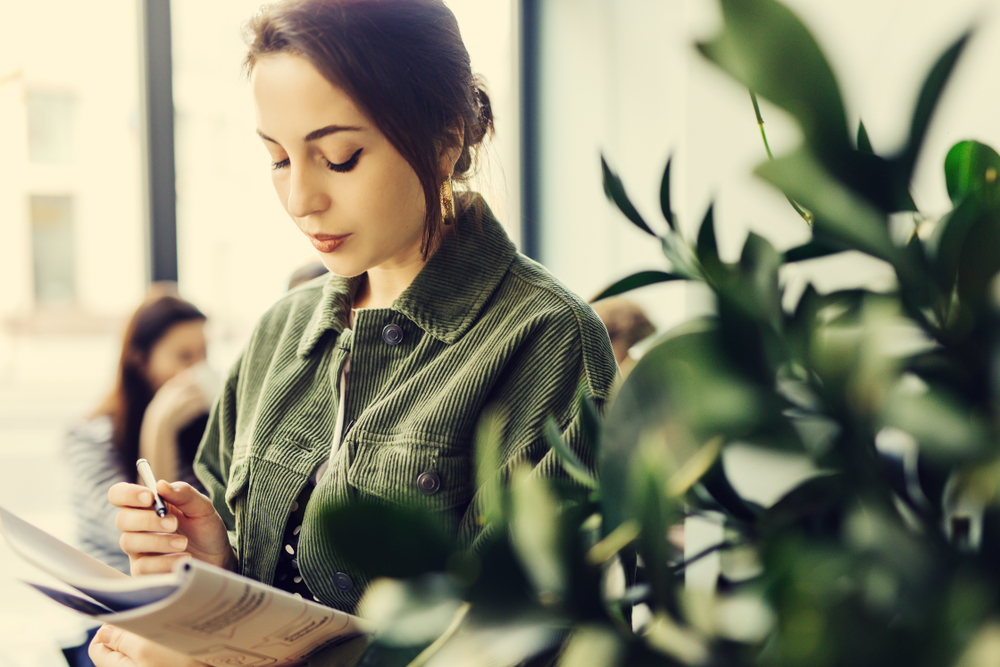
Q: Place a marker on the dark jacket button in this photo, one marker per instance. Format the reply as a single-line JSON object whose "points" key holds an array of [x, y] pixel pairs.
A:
{"points": [[392, 334], [343, 582], [429, 483]]}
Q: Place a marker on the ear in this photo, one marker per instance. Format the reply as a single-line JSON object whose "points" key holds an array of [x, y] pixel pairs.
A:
{"points": [[451, 149]]}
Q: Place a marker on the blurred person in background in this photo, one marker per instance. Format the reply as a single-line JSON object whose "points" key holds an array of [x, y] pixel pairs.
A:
{"points": [[627, 324], [157, 410], [305, 273]]}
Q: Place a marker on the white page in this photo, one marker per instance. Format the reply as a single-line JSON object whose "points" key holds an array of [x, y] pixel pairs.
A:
{"points": [[210, 613], [82, 571]]}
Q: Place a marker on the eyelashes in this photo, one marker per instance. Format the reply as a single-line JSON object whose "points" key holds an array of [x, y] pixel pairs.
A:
{"points": [[340, 167], [345, 166]]}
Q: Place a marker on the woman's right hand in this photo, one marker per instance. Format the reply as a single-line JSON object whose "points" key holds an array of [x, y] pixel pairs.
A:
{"points": [[192, 527]]}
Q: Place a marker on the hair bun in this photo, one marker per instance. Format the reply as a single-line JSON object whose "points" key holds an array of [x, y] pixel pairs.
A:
{"points": [[485, 112]]}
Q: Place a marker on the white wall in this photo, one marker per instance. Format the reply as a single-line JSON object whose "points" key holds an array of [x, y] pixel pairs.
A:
{"points": [[43, 48], [622, 77]]}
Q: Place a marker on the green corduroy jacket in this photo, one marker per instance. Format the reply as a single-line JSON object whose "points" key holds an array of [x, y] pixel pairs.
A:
{"points": [[481, 326]]}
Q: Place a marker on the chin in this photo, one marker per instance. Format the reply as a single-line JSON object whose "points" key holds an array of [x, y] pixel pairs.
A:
{"points": [[341, 268]]}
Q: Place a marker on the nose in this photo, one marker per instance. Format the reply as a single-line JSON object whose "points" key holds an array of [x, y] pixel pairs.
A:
{"points": [[306, 194]]}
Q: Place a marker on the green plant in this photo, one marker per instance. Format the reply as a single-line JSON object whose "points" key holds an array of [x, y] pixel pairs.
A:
{"points": [[889, 555]]}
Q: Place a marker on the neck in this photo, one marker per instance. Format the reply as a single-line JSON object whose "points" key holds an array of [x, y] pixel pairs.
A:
{"points": [[383, 286]]}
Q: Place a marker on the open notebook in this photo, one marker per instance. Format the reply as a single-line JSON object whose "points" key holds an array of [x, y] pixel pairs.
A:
{"points": [[214, 615]]}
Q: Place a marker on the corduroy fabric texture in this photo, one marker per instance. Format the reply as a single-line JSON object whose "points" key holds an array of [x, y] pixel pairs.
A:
{"points": [[482, 326]]}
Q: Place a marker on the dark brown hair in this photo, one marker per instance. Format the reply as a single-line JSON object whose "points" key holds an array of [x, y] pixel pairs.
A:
{"points": [[403, 63], [131, 394]]}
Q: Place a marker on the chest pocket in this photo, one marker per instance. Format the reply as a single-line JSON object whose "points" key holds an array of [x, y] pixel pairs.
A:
{"points": [[410, 471]]}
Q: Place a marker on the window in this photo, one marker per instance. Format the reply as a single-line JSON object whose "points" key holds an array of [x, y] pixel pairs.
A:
{"points": [[50, 128], [52, 249]]}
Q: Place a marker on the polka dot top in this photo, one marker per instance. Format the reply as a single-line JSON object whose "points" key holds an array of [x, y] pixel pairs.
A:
{"points": [[286, 575]]}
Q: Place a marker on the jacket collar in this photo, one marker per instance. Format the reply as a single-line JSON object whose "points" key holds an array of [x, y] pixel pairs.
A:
{"points": [[447, 295]]}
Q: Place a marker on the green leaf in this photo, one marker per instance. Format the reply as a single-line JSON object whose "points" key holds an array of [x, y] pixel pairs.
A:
{"points": [[376, 655], [409, 542], [707, 251], [637, 280], [946, 430], [590, 422], [979, 261], [656, 511], [489, 434], [642, 407], [927, 102], [594, 646], [839, 213], [501, 589], [948, 241], [681, 394], [571, 463], [759, 263], [767, 49], [864, 144], [970, 167], [814, 249], [668, 213], [535, 534], [615, 191], [414, 611], [716, 482], [810, 499]]}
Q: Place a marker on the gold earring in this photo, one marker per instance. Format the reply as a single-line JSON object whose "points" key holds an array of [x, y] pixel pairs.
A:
{"points": [[447, 202]]}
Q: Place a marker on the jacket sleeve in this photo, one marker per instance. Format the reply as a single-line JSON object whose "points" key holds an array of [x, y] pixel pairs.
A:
{"points": [[213, 462], [562, 358]]}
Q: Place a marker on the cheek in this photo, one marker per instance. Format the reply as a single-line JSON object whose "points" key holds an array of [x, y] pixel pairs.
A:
{"points": [[404, 193], [156, 373], [280, 183]]}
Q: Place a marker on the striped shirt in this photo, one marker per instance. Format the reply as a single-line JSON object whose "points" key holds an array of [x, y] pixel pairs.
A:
{"points": [[94, 465], [481, 325]]}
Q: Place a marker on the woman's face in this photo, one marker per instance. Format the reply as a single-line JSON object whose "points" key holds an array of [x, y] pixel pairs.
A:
{"points": [[182, 346], [342, 182]]}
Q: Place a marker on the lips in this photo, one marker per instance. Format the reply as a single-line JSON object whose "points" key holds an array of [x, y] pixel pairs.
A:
{"points": [[327, 243]]}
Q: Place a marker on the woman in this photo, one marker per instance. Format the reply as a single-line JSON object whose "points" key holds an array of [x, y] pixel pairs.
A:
{"points": [[369, 384], [155, 411]]}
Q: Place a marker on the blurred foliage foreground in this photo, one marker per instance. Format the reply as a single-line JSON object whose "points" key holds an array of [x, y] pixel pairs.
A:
{"points": [[888, 555]]}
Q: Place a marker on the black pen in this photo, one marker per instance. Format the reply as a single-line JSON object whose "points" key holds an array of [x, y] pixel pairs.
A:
{"points": [[147, 479]]}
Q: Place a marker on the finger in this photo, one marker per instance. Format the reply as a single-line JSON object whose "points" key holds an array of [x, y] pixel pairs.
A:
{"points": [[124, 494], [135, 650], [103, 648], [109, 635], [130, 520], [185, 499], [152, 543], [156, 563]]}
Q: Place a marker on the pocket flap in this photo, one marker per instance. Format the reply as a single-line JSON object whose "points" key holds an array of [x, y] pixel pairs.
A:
{"points": [[239, 476], [393, 473]]}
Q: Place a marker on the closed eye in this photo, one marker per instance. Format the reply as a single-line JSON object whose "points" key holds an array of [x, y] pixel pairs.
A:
{"points": [[347, 165], [280, 165]]}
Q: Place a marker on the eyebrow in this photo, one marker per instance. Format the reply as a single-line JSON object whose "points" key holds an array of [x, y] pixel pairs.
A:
{"points": [[318, 134]]}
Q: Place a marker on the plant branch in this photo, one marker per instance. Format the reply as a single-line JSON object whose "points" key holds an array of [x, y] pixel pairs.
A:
{"points": [[806, 215], [725, 544]]}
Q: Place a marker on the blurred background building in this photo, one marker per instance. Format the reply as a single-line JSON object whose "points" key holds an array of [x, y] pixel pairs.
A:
{"points": [[570, 79]]}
